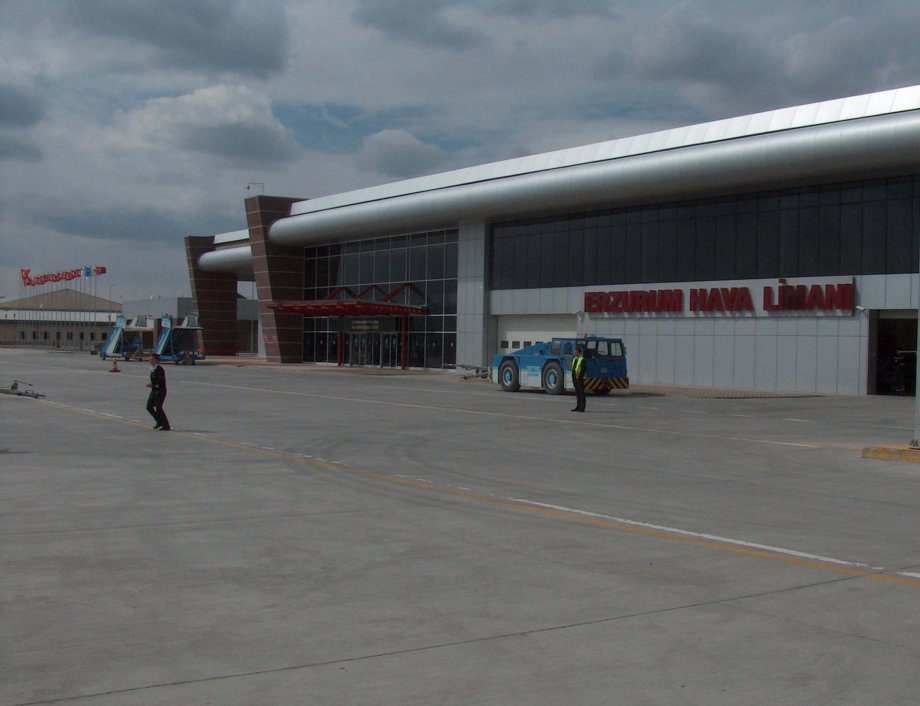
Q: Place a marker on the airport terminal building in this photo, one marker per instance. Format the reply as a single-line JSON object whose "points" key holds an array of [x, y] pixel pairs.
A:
{"points": [[775, 251]]}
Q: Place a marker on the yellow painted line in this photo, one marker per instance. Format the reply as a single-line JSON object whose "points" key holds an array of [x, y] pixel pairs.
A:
{"points": [[892, 453], [751, 550]]}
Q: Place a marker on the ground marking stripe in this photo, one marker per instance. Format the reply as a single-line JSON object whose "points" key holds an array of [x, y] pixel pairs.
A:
{"points": [[750, 549], [579, 422]]}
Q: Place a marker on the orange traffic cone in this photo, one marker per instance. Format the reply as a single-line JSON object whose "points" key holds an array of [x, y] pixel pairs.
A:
{"points": [[114, 368]]}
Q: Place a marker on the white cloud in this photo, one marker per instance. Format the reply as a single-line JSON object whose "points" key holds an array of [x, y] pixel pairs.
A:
{"points": [[399, 154], [232, 123]]}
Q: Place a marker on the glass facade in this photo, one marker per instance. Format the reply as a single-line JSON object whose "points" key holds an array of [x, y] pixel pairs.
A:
{"points": [[427, 261], [855, 228]]}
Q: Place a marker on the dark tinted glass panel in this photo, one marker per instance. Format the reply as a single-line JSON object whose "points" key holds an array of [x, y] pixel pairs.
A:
{"points": [[686, 250], [520, 261], [366, 264], [746, 246], [725, 247], [576, 247], [706, 248], [899, 241], [435, 299], [667, 251], [789, 243], [309, 273], [335, 271], [829, 247], [874, 237], [768, 244], [590, 256], [547, 258], [436, 261], [450, 297], [418, 294], [533, 261], [450, 260], [850, 238], [809, 235], [561, 260], [398, 265], [649, 251], [434, 350], [450, 349], [417, 264], [350, 274], [416, 350], [381, 267], [633, 253]]}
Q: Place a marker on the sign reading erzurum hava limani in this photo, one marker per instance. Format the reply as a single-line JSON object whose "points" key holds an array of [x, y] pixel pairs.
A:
{"points": [[782, 298], [64, 276]]}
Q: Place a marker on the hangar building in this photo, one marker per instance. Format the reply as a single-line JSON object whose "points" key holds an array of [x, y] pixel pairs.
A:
{"points": [[774, 251]]}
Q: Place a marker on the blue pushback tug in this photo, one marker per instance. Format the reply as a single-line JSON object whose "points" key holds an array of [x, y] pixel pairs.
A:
{"points": [[549, 365]]}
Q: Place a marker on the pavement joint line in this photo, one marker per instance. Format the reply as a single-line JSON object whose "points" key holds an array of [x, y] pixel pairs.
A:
{"points": [[749, 549]]}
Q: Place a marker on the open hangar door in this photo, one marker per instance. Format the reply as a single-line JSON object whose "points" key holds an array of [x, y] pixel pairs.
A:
{"points": [[895, 344]]}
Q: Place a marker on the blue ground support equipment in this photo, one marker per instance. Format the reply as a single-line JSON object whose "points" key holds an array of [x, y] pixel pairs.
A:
{"points": [[126, 340], [180, 343], [549, 366]]}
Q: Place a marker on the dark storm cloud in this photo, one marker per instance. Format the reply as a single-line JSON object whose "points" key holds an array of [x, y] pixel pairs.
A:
{"points": [[419, 22], [427, 22], [240, 143], [129, 224], [248, 38], [19, 107], [14, 148]]}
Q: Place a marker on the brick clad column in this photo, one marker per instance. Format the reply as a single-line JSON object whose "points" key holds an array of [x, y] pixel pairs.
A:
{"points": [[279, 277], [215, 299]]}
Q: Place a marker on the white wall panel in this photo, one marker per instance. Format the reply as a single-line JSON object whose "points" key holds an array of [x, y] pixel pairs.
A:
{"points": [[745, 362], [826, 364], [765, 371], [848, 365], [664, 367], [897, 291], [683, 360], [703, 352], [785, 363], [723, 360], [648, 358], [806, 363]]}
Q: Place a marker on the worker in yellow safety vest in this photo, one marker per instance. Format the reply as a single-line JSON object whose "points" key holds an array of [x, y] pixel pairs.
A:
{"points": [[578, 379]]}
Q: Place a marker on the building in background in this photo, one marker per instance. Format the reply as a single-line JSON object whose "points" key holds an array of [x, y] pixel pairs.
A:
{"points": [[61, 319], [776, 251]]}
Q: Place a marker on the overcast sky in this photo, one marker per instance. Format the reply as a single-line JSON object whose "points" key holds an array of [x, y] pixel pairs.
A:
{"points": [[127, 124]]}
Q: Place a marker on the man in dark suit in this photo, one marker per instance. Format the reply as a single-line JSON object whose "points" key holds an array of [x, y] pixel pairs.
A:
{"points": [[157, 394]]}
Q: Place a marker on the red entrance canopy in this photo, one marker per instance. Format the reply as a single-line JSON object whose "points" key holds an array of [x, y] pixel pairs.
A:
{"points": [[348, 307], [329, 306]]}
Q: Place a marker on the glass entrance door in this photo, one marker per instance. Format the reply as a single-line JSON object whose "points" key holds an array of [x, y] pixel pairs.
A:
{"points": [[373, 349], [390, 350]]}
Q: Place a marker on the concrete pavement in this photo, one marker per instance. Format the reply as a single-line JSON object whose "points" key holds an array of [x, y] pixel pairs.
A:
{"points": [[307, 538]]}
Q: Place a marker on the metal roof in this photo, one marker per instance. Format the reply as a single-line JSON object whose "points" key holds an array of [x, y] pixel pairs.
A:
{"points": [[773, 121], [851, 137]]}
